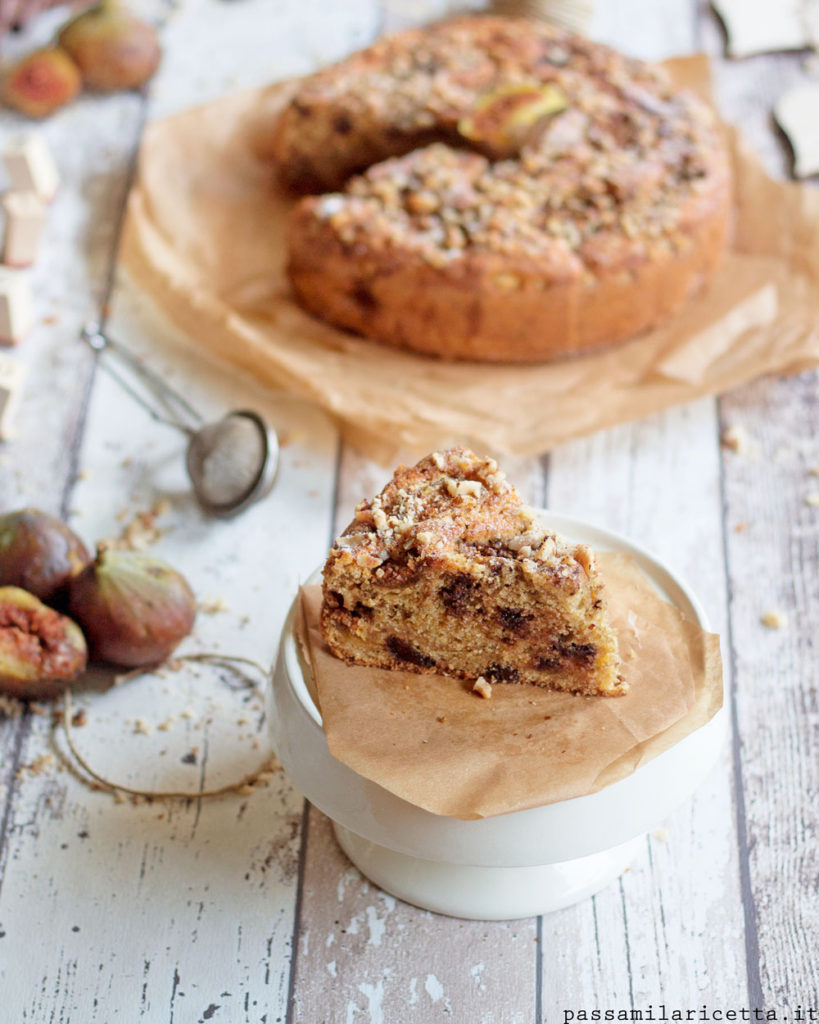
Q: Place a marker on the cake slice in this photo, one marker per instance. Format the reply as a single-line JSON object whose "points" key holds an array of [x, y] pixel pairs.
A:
{"points": [[447, 571]]}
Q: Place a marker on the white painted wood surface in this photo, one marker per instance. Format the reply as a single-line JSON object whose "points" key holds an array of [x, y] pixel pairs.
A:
{"points": [[243, 908]]}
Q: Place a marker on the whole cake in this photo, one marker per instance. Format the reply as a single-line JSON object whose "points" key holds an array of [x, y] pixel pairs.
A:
{"points": [[525, 193], [446, 571]]}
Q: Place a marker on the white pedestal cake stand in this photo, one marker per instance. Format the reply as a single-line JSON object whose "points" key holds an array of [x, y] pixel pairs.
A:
{"points": [[509, 866]]}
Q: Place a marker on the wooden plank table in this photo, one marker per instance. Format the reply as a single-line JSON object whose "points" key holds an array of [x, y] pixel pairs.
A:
{"points": [[243, 909]]}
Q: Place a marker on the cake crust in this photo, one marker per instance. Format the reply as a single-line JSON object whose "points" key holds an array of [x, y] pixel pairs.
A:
{"points": [[465, 240], [446, 571]]}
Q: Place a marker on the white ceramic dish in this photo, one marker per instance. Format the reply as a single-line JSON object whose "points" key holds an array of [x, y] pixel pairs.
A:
{"points": [[509, 866]]}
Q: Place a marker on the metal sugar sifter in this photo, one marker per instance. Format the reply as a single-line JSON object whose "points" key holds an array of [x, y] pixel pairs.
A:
{"points": [[232, 462]]}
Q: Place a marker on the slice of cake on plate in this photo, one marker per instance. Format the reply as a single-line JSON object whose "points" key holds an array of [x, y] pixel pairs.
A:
{"points": [[447, 571]]}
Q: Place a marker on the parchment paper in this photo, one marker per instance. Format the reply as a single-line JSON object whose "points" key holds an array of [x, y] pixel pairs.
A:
{"points": [[431, 741], [205, 236]]}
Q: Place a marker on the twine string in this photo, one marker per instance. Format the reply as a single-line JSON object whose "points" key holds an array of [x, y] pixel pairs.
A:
{"points": [[167, 794]]}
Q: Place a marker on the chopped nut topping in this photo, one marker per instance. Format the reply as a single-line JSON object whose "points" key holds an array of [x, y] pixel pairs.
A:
{"points": [[462, 488], [482, 688], [595, 157]]}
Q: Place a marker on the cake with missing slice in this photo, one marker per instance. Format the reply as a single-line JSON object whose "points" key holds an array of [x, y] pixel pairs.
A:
{"points": [[447, 571], [498, 189]]}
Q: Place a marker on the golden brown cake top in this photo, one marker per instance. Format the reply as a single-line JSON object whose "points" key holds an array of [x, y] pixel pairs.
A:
{"points": [[606, 160], [456, 508]]}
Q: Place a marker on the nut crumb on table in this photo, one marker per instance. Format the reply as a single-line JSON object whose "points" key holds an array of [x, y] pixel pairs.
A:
{"points": [[774, 619], [736, 439]]}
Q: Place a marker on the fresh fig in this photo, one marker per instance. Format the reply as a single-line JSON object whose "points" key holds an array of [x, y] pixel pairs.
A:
{"points": [[502, 120], [42, 82], [113, 49], [133, 608], [39, 553], [41, 651]]}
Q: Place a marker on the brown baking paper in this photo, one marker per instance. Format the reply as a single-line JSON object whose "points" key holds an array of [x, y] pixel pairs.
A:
{"points": [[431, 741], [205, 237]]}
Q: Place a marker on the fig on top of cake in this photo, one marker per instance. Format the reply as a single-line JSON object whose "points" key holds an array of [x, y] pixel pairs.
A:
{"points": [[447, 571]]}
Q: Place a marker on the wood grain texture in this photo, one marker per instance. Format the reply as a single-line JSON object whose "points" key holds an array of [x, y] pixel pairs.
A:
{"points": [[672, 930], [773, 555], [644, 28], [363, 955], [771, 539]]}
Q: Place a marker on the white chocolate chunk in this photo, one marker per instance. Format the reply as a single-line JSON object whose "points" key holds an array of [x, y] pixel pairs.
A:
{"points": [[11, 389], [16, 306], [25, 220], [760, 26], [798, 115], [31, 166]]}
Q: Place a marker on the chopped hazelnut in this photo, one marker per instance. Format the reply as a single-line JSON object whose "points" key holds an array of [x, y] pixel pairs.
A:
{"points": [[482, 688], [736, 439]]}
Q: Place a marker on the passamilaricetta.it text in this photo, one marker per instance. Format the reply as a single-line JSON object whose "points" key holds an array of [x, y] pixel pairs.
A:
{"points": [[661, 1012]]}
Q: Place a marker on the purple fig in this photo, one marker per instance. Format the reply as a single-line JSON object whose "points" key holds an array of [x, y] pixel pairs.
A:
{"points": [[41, 651], [41, 82], [133, 608], [114, 50], [39, 553]]}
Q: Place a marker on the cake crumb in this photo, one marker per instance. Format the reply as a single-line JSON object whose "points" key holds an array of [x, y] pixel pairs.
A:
{"points": [[482, 688], [812, 499], [143, 727], [43, 764], [774, 619], [736, 439], [10, 707], [142, 531], [661, 834]]}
